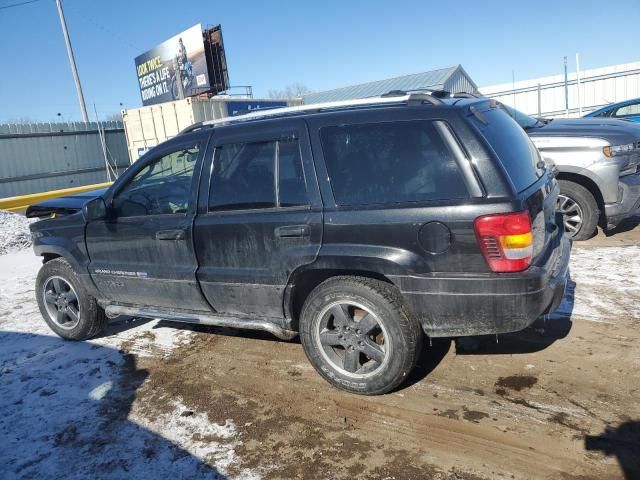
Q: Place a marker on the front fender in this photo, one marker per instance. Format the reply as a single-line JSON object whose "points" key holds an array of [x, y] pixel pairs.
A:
{"points": [[62, 236]]}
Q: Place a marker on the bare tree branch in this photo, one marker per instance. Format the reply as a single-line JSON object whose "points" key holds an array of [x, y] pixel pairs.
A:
{"points": [[294, 90]]}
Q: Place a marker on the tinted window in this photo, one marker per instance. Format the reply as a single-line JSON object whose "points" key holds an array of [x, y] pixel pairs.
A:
{"points": [[628, 110], [512, 145], [292, 187], [162, 187], [243, 176], [389, 163]]}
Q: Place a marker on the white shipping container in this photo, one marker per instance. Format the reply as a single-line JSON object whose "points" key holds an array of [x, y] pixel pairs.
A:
{"points": [[149, 126]]}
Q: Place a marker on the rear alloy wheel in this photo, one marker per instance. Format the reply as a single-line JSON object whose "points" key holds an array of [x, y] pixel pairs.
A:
{"points": [[579, 210], [352, 339], [358, 335]]}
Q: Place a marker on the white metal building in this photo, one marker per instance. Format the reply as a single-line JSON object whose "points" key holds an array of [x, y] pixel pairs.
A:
{"points": [[452, 79], [545, 96]]}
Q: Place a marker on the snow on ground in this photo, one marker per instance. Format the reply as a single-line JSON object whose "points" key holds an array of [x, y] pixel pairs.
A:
{"points": [[66, 407], [14, 232], [607, 283]]}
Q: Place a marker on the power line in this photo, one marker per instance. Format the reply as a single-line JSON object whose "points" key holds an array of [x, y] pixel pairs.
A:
{"points": [[20, 4]]}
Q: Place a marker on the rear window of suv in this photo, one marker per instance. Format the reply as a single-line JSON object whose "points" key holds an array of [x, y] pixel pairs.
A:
{"points": [[517, 152], [390, 162]]}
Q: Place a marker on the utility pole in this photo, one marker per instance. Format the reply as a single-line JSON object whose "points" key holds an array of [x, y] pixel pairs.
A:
{"points": [[578, 85], [566, 90], [72, 61]]}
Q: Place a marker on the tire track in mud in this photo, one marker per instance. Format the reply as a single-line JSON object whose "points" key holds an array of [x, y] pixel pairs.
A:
{"points": [[293, 425]]}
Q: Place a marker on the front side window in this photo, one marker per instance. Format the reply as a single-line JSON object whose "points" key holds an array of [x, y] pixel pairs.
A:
{"points": [[162, 187], [628, 110], [257, 175], [392, 162]]}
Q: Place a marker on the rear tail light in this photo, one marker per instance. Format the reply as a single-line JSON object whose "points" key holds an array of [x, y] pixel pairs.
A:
{"points": [[506, 240]]}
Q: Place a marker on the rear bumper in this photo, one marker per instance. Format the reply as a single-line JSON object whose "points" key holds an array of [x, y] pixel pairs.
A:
{"points": [[629, 202], [490, 303]]}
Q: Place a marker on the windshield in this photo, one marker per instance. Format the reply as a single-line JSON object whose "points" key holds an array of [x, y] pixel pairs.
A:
{"points": [[524, 120]]}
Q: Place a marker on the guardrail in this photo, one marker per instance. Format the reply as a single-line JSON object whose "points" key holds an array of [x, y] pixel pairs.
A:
{"points": [[20, 203]]}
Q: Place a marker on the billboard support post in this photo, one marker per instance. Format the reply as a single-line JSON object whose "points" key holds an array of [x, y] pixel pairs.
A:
{"points": [[72, 61]]}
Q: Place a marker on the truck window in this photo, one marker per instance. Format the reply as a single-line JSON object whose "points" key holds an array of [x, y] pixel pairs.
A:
{"points": [[628, 110], [244, 176], [390, 162], [162, 187]]}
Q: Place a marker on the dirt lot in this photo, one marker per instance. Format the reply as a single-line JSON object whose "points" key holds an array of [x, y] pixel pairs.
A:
{"points": [[557, 401]]}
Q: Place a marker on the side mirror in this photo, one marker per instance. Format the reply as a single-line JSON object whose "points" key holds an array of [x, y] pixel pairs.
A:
{"points": [[94, 209]]}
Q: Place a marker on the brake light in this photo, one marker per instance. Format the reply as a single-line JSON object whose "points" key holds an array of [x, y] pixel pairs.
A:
{"points": [[506, 240]]}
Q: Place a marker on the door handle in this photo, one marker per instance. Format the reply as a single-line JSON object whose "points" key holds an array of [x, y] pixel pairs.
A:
{"points": [[291, 231], [170, 235]]}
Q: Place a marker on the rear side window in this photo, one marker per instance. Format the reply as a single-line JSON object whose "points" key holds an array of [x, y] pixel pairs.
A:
{"points": [[517, 152], [390, 162]]}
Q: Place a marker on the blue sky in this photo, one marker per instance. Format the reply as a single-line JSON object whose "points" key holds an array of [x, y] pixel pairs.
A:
{"points": [[322, 44]]}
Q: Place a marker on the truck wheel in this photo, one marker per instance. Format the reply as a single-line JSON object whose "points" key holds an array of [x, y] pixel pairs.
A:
{"points": [[579, 210], [358, 335], [64, 303]]}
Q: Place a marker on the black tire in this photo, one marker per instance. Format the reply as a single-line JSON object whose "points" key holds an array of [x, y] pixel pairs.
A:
{"points": [[588, 208], [399, 332], [91, 317]]}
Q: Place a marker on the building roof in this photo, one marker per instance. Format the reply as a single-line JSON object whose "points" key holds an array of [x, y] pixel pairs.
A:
{"points": [[432, 80]]}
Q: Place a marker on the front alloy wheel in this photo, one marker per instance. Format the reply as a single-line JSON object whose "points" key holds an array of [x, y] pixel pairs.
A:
{"points": [[579, 210], [61, 302], [65, 304], [571, 214]]}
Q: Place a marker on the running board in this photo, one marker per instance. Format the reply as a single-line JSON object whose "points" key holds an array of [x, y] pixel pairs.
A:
{"points": [[203, 319]]}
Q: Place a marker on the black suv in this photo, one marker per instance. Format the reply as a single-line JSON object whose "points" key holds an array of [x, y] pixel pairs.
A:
{"points": [[359, 226]]}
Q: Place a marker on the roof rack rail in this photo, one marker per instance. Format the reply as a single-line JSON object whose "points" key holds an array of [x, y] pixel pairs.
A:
{"points": [[396, 97], [466, 95]]}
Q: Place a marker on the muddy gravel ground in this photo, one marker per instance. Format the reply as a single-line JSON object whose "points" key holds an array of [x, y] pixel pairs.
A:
{"points": [[556, 401]]}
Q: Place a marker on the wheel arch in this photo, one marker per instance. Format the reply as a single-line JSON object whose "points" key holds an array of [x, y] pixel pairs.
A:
{"points": [[50, 252], [304, 281]]}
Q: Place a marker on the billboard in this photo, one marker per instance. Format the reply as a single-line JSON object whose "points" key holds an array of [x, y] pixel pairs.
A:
{"points": [[175, 69]]}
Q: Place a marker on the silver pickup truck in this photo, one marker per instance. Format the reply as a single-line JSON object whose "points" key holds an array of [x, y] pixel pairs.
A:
{"points": [[598, 162]]}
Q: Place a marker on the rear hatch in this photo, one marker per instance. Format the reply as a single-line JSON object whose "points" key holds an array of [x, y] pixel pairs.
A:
{"points": [[531, 178]]}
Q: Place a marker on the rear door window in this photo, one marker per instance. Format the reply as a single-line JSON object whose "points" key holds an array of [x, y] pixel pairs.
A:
{"points": [[257, 175], [243, 176], [390, 162]]}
